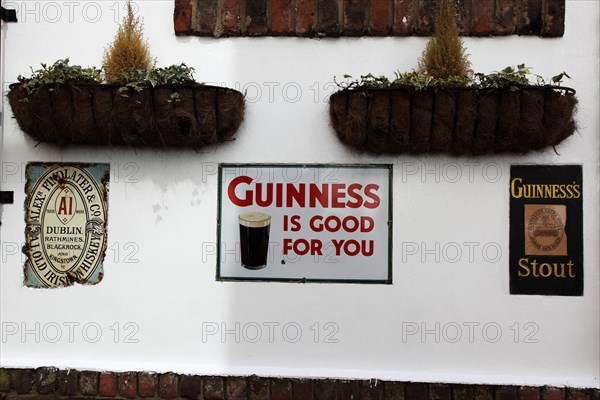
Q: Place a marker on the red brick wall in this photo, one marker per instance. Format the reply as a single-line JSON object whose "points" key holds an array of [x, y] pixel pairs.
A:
{"points": [[55, 384], [333, 18]]}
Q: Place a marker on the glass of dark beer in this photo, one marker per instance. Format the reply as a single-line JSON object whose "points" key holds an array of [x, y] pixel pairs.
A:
{"points": [[254, 239]]}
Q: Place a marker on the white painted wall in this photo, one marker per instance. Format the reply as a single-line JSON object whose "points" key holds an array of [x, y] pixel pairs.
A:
{"points": [[163, 207]]}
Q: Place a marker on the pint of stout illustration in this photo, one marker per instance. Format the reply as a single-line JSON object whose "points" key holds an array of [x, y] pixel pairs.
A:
{"points": [[254, 239]]}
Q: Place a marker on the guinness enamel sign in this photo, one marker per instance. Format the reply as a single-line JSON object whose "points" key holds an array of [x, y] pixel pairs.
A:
{"points": [[65, 217], [305, 223], [546, 230]]}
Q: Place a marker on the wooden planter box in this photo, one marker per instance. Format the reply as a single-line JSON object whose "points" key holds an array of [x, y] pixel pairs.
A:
{"points": [[456, 121], [100, 115]]}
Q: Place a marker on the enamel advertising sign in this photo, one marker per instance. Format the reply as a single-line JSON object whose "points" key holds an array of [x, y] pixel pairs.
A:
{"points": [[65, 216], [320, 223], [546, 230]]}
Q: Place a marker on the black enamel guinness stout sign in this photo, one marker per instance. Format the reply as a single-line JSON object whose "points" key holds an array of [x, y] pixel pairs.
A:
{"points": [[546, 230]]}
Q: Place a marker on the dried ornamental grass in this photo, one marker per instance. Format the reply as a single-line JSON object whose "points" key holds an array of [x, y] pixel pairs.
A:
{"points": [[444, 56], [129, 52]]}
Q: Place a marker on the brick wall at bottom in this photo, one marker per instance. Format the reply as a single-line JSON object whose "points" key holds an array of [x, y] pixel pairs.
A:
{"points": [[53, 384]]}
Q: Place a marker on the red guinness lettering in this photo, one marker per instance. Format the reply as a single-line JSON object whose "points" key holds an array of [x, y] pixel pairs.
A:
{"points": [[244, 192]]}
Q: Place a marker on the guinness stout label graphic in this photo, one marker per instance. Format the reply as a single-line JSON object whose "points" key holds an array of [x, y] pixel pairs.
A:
{"points": [[65, 230], [546, 230]]}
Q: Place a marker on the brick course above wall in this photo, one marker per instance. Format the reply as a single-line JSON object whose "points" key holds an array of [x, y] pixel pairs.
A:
{"points": [[333, 18], [55, 384]]}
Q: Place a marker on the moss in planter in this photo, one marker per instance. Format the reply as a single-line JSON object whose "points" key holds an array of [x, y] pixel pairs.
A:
{"points": [[156, 108], [457, 121], [400, 122], [466, 120], [205, 101], [204, 115], [443, 122], [529, 131], [509, 107], [485, 113], [558, 122], [378, 121], [421, 121], [487, 116], [84, 124]]}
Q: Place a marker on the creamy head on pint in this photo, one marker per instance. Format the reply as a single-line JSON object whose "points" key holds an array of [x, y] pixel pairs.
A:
{"points": [[255, 219]]}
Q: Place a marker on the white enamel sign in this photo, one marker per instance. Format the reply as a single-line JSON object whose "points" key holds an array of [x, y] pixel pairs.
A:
{"points": [[66, 216], [305, 223]]}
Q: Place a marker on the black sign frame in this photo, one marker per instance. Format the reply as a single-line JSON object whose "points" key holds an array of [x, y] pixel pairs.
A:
{"points": [[544, 189]]}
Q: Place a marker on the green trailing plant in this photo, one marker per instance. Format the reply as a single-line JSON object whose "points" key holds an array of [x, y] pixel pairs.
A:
{"points": [[445, 57], [414, 80], [510, 77], [514, 78], [172, 75], [176, 74], [59, 73], [129, 52]]}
